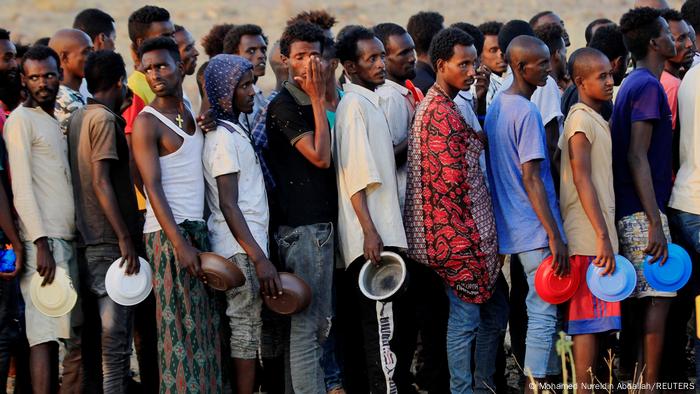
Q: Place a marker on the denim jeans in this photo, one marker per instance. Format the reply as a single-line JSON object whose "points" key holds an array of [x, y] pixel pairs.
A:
{"points": [[115, 320], [489, 337], [688, 225], [329, 361], [308, 251], [462, 326], [540, 352]]}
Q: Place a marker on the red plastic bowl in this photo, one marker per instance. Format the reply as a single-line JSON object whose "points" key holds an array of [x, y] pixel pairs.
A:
{"points": [[554, 289]]}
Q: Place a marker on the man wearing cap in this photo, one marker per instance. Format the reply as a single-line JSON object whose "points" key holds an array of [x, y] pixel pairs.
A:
{"points": [[43, 198], [107, 215]]}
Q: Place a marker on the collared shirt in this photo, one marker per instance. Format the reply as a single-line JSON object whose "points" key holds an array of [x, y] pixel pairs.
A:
{"points": [[495, 82], [364, 156], [686, 189], [259, 137], [399, 106], [305, 194], [67, 101], [41, 179]]}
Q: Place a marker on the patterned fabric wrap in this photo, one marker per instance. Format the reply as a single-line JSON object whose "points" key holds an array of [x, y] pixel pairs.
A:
{"points": [[448, 215], [187, 317], [221, 80], [633, 233]]}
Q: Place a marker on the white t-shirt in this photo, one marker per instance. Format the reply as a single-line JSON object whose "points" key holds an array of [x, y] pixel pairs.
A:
{"points": [[364, 160], [686, 188], [396, 102], [225, 153]]}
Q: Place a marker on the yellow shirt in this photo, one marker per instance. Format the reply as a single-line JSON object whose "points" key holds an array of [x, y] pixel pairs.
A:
{"points": [[579, 231]]}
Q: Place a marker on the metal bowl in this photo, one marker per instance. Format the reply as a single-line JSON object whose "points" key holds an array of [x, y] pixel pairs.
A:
{"points": [[384, 281]]}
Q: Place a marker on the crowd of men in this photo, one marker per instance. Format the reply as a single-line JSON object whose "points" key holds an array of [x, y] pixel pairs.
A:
{"points": [[460, 148]]}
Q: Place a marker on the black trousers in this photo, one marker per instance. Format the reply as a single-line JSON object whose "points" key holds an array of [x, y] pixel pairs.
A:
{"points": [[379, 339]]}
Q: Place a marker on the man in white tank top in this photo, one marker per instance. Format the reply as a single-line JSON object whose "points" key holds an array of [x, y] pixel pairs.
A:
{"points": [[167, 148]]}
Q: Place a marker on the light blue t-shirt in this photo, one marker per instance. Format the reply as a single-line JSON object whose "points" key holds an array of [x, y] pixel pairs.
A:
{"points": [[516, 136]]}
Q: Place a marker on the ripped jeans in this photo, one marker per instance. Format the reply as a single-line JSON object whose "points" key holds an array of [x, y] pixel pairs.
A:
{"points": [[308, 251]]}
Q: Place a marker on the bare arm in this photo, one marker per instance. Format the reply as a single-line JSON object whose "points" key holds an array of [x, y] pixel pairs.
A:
{"points": [[316, 147], [638, 162], [228, 203], [102, 186], [538, 199], [7, 225], [401, 152], [373, 244], [145, 146], [135, 175], [580, 156]]}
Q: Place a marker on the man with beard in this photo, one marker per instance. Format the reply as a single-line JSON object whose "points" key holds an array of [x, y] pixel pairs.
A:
{"points": [[188, 53], [9, 302], [670, 77], [43, 198], [398, 103], [10, 84], [73, 47], [174, 230], [249, 42], [369, 215]]}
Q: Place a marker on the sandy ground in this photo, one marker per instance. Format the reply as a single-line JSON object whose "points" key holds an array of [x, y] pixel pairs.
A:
{"points": [[29, 20]]}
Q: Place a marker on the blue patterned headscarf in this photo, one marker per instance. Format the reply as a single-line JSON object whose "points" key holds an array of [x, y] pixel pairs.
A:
{"points": [[221, 78]]}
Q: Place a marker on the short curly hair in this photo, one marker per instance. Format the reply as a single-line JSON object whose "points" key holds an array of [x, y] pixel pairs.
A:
{"points": [[609, 40], [213, 42], [639, 26], [443, 45], [233, 37], [473, 31], [536, 18], [552, 35], [588, 34], [490, 28], [39, 52], [422, 27], [141, 19], [346, 43], [300, 31], [671, 15], [513, 29], [4, 34], [93, 22], [103, 69], [385, 30], [158, 43], [691, 13], [320, 18]]}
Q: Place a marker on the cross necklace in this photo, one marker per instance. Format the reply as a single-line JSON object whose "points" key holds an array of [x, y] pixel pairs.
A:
{"points": [[179, 120]]}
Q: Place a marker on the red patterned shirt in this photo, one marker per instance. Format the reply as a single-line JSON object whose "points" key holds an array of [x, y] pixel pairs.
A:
{"points": [[448, 216]]}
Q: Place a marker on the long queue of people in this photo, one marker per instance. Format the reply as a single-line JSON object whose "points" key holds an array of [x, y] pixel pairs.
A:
{"points": [[458, 149]]}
